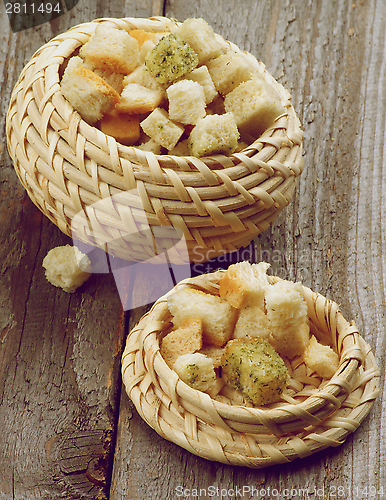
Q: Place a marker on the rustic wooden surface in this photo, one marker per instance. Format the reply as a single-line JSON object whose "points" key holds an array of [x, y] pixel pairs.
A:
{"points": [[68, 430]]}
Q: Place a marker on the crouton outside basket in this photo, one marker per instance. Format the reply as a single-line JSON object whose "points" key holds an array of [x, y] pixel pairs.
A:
{"points": [[218, 203], [313, 414]]}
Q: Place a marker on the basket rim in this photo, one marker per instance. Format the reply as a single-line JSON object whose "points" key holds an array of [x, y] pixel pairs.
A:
{"points": [[284, 421]]}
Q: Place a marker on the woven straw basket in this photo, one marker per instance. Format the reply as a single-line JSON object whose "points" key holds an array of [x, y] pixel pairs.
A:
{"points": [[312, 415], [219, 203]]}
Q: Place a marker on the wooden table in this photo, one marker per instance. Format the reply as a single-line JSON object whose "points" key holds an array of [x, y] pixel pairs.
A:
{"points": [[68, 429]]}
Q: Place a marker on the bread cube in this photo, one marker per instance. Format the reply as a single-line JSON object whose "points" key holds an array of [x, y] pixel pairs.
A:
{"points": [[66, 267], [242, 284], [214, 353], [180, 149], [149, 145], [87, 92], [254, 105], [201, 37], [214, 134], [170, 59], [145, 49], [137, 99], [122, 126], [141, 76], [252, 322], [253, 367], [186, 339], [141, 36], [159, 127], [291, 341], [112, 49], [321, 359], [186, 102], [218, 317], [229, 70], [285, 304], [196, 370], [201, 75]]}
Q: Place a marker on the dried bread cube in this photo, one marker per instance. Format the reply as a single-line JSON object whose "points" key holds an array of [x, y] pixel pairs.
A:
{"points": [[180, 149], [141, 76], [145, 49], [217, 315], [122, 126], [149, 145], [201, 75], [112, 49], [291, 341], [170, 59], [112, 78], [214, 134], [285, 304], [252, 322], [164, 131], [253, 367], [213, 352], [87, 92], [201, 37], [137, 99], [141, 36], [229, 70], [186, 102], [321, 359], [254, 105], [196, 370], [186, 339], [243, 283], [66, 267]]}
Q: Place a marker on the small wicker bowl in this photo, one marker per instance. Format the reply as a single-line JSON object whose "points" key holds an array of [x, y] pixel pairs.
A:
{"points": [[312, 415], [219, 203]]}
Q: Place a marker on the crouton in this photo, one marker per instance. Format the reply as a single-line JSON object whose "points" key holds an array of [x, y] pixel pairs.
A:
{"points": [[150, 146], [241, 284], [252, 322], [186, 339], [141, 36], [321, 359], [196, 370], [142, 76], [201, 37], [201, 75], [186, 102], [214, 134], [218, 317], [87, 92], [164, 131], [67, 267], [112, 49], [122, 126], [229, 70], [254, 105], [253, 367], [286, 306], [213, 352], [136, 99], [291, 341], [180, 149], [170, 59]]}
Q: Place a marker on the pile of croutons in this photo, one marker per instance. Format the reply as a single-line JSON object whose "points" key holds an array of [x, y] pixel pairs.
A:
{"points": [[239, 345], [181, 93]]}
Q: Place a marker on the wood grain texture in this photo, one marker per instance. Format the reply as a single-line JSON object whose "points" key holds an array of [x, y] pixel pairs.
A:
{"points": [[67, 424]]}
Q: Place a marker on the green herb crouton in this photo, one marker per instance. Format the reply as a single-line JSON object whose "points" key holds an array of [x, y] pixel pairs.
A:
{"points": [[170, 59], [253, 367]]}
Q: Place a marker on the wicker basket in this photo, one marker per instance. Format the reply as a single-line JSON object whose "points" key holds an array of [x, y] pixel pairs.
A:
{"points": [[219, 203], [313, 414]]}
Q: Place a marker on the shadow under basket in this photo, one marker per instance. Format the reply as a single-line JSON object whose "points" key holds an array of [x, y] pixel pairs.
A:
{"points": [[123, 199], [313, 413]]}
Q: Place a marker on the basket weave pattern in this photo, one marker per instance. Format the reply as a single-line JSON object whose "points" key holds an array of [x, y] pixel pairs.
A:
{"points": [[312, 415], [220, 203]]}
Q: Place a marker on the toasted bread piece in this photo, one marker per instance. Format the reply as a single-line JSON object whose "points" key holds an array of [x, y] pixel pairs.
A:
{"points": [[321, 359], [122, 126], [253, 367], [196, 370], [229, 70], [291, 341], [66, 267], [214, 134], [285, 305], [137, 99], [142, 76], [201, 37], [141, 36], [201, 75], [218, 317], [254, 105], [87, 92], [252, 322], [112, 49], [186, 339], [161, 129], [186, 102], [213, 352]]}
